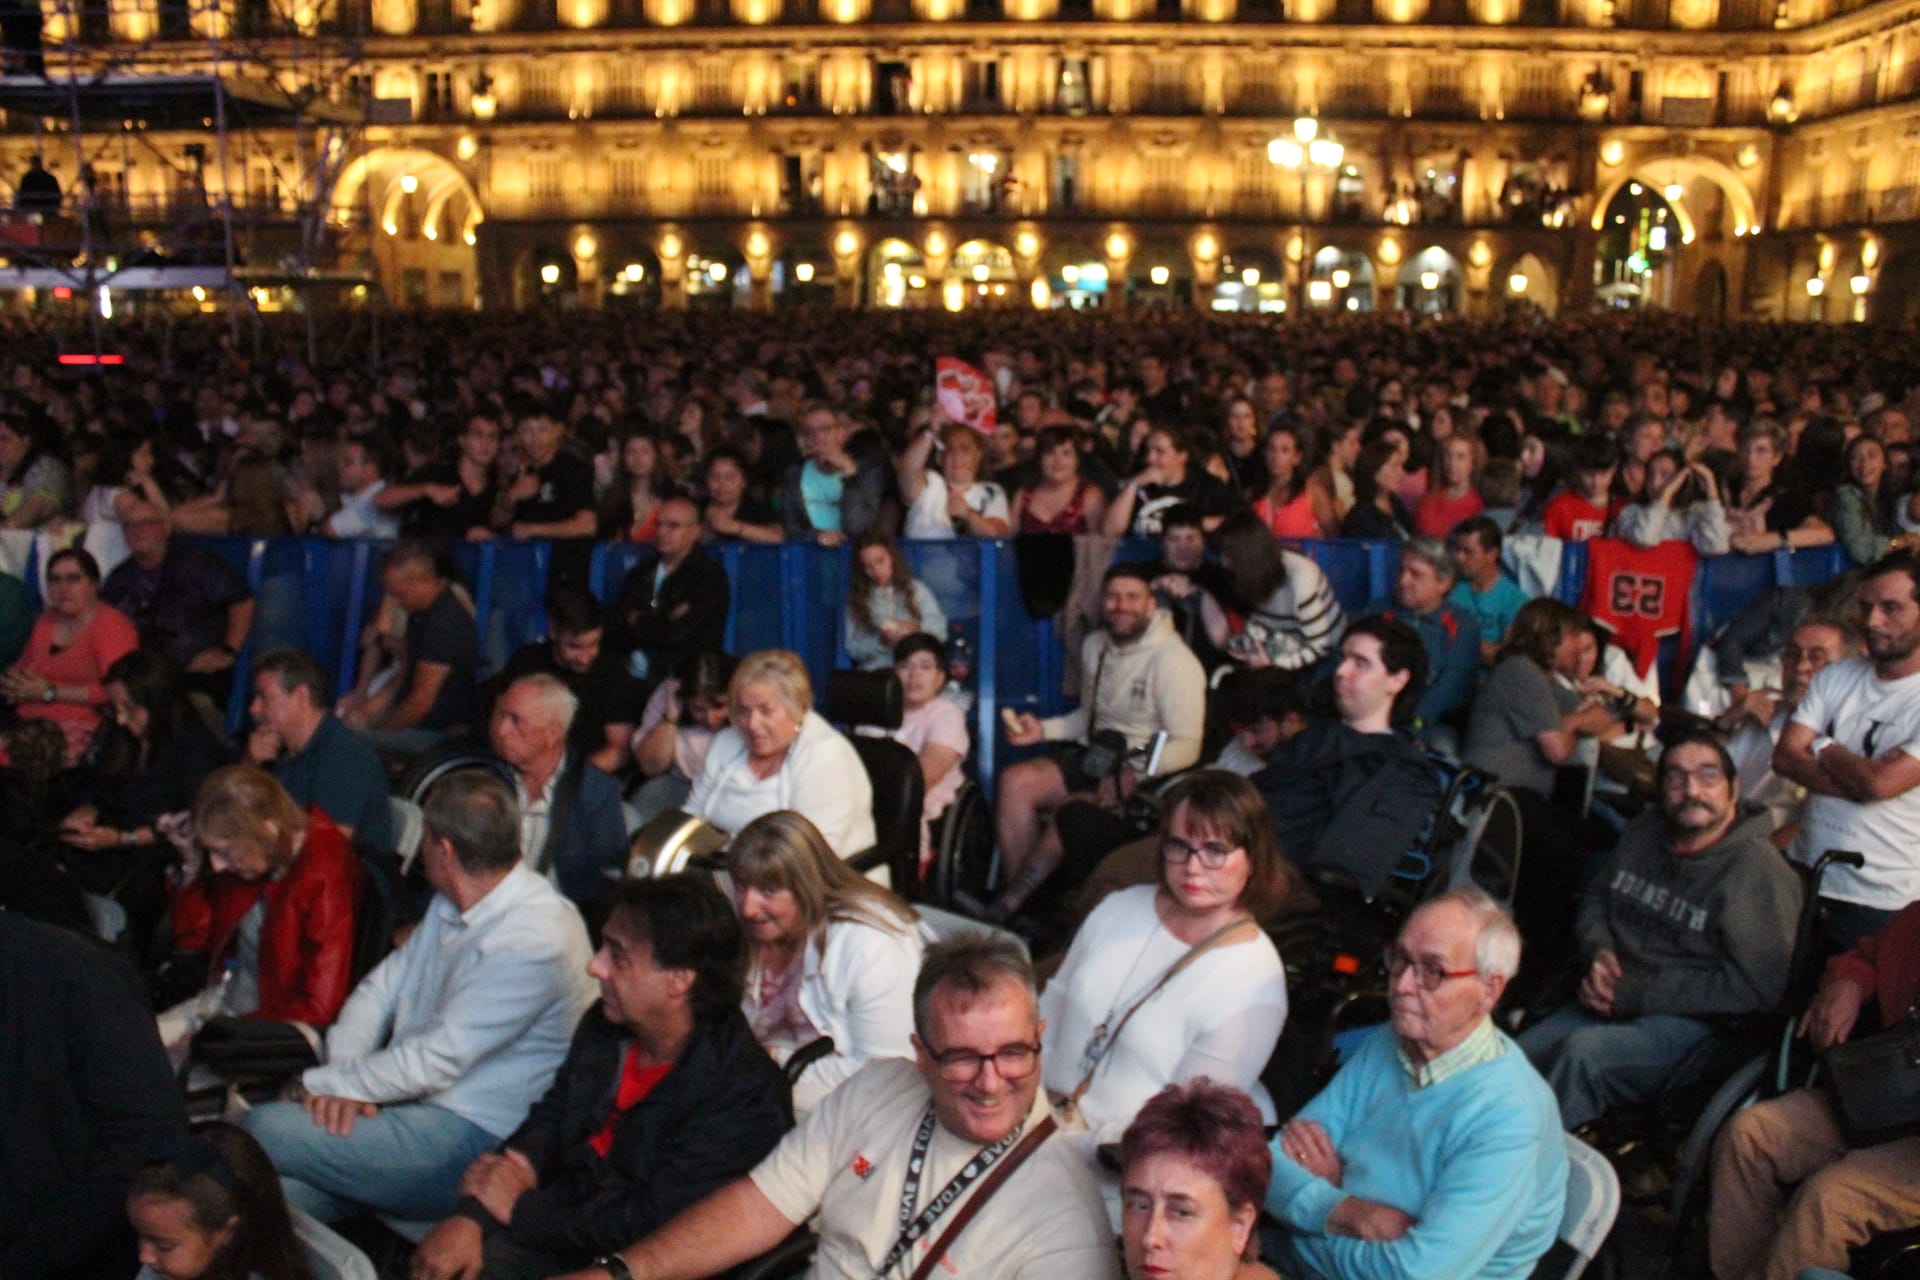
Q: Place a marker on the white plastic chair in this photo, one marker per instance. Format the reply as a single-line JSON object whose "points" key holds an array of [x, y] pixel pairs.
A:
{"points": [[1593, 1201], [328, 1254], [408, 827]]}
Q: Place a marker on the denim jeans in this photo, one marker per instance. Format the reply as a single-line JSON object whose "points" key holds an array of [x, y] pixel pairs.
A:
{"points": [[405, 1162], [1594, 1063]]}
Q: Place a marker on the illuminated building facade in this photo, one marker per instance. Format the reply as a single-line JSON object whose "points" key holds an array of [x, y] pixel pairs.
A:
{"points": [[1731, 157]]}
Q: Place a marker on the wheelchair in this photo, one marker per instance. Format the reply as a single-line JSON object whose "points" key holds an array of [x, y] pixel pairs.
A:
{"points": [[1757, 1059], [1336, 974]]}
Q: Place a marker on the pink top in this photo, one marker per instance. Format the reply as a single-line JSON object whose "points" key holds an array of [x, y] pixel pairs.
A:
{"points": [[940, 721], [107, 637], [690, 742], [1437, 514], [1292, 519]]}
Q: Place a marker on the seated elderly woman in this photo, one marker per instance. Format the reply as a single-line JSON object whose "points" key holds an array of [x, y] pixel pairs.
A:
{"points": [[780, 754], [273, 908], [1194, 1167], [832, 954], [1168, 982]]}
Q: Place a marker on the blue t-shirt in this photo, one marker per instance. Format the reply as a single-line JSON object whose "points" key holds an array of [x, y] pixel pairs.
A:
{"points": [[821, 492]]}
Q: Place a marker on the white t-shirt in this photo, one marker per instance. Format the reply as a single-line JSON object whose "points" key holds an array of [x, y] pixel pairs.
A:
{"points": [[927, 518], [1871, 717], [848, 1160], [1220, 1017]]}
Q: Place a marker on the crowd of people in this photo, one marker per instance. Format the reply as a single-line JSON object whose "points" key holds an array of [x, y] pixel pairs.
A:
{"points": [[497, 1054]]}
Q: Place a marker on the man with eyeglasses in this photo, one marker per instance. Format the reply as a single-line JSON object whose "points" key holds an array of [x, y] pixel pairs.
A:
{"points": [[1437, 1150], [1689, 922], [898, 1156]]}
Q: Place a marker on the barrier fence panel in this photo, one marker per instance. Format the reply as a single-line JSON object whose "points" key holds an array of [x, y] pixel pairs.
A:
{"points": [[318, 595]]}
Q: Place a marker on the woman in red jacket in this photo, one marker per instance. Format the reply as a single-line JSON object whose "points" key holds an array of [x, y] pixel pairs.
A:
{"points": [[295, 963]]}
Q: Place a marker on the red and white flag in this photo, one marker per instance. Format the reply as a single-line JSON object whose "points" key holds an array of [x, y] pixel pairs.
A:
{"points": [[964, 393]]}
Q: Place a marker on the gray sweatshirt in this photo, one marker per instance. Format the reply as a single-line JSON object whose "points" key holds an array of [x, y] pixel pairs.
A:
{"points": [[1701, 934]]}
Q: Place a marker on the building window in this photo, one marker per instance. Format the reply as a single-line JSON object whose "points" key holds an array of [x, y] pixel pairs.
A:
{"points": [[1072, 94], [545, 178]]}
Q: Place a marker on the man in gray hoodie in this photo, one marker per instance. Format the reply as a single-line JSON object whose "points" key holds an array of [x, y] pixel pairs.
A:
{"points": [[1690, 919]]}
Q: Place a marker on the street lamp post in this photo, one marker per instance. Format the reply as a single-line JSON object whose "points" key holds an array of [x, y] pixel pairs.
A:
{"points": [[1304, 152]]}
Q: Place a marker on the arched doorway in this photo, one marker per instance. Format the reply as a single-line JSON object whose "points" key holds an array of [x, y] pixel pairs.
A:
{"points": [[716, 278], [1076, 275], [546, 278], [1648, 217], [1529, 282], [803, 276], [1429, 283], [984, 276], [897, 276], [1160, 275], [1250, 280], [633, 277], [415, 214], [1341, 280], [1895, 298]]}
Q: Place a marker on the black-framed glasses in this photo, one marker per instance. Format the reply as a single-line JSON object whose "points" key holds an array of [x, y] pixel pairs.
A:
{"points": [[1428, 972], [1213, 854], [1011, 1061]]}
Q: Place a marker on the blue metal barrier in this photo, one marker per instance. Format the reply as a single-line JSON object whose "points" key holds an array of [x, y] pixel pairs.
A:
{"points": [[317, 594]]}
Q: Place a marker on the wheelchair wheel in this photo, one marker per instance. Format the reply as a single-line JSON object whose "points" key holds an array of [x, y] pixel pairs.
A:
{"points": [[962, 849], [1488, 852], [449, 757], [1690, 1179]]}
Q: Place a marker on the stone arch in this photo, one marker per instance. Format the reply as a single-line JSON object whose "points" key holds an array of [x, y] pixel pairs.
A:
{"points": [[382, 175], [1659, 171], [1543, 282]]}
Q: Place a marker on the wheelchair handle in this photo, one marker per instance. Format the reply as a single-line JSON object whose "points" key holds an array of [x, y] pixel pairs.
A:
{"points": [[1845, 857]]}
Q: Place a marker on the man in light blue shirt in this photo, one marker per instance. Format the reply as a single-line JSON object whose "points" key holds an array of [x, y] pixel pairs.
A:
{"points": [[441, 1050], [1437, 1149]]}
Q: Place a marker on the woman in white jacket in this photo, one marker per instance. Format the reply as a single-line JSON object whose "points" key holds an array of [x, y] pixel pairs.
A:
{"points": [[833, 954], [779, 754]]}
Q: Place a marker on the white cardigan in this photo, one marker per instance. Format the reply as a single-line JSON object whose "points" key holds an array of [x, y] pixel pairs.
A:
{"points": [[822, 779], [858, 990]]}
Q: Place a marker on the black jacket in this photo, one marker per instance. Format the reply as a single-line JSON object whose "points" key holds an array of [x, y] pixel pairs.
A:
{"points": [[86, 1100], [1348, 801], [721, 1109], [688, 614]]}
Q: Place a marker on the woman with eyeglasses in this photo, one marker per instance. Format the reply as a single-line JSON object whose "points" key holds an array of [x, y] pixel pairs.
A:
{"points": [[60, 678], [831, 954], [1165, 983]]}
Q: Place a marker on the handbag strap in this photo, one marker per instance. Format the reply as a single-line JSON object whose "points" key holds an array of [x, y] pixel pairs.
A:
{"points": [[1174, 970], [964, 1214]]}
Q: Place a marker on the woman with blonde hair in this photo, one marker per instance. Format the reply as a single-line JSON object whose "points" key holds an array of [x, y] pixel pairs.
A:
{"points": [[779, 753], [833, 954], [293, 960]]}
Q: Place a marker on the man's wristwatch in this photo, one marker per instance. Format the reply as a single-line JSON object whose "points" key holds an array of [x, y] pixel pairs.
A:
{"points": [[614, 1265]]}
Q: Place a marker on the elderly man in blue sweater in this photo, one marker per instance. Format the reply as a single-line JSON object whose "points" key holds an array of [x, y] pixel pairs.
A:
{"points": [[1437, 1149]]}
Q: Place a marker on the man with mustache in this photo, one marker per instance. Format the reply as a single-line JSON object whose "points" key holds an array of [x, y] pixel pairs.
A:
{"points": [[1690, 920]]}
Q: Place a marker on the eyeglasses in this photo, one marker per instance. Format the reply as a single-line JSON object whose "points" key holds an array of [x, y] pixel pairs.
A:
{"points": [[1428, 972], [1677, 779], [1213, 855], [62, 579], [1011, 1061]]}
